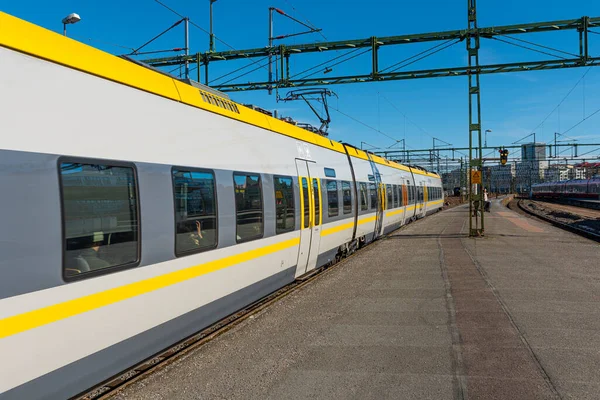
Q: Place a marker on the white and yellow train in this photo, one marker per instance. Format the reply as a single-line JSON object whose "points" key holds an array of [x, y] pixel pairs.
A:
{"points": [[137, 209]]}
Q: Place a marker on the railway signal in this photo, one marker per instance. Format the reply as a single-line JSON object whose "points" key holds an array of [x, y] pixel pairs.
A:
{"points": [[503, 156]]}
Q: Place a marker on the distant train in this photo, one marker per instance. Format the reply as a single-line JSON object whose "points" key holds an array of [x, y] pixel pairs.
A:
{"points": [[588, 189]]}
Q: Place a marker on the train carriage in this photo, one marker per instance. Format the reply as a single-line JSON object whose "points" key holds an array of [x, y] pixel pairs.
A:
{"points": [[138, 209], [574, 189]]}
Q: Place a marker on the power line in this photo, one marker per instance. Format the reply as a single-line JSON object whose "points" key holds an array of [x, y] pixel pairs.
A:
{"points": [[405, 116], [528, 48], [362, 123], [245, 73], [427, 55], [416, 55], [325, 62], [237, 70], [539, 45], [340, 62], [309, 23], [202, 29], [582, 121], [563, 100], [103, 42]]}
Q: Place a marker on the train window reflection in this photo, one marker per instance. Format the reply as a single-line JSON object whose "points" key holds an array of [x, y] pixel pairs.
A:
{"points": [[317, 201], [248, 207], [347, 197], [390, 198], [195, 210], [100, 217], [306, 199], [285, 211], [332, 199], [373, 194], [364, 202]]}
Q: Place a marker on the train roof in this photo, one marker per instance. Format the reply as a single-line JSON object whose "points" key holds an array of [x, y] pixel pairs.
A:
{"points": [[39, 42]]}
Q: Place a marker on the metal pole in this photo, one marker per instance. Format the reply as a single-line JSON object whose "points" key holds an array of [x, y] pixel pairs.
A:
{"points": [[187, 47], [198, 65], [206, 70], [585, 38], [211, 43], [475, 198], [64, 29], [270, 48]]}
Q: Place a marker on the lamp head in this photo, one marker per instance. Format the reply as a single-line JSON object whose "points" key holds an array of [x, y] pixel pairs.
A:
{"points": [[71, 19]]}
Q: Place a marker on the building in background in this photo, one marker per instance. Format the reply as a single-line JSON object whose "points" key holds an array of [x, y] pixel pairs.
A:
{"points": [[500, 178]]}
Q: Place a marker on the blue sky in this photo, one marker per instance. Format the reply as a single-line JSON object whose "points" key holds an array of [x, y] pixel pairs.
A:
{"points": [[513, 105]]}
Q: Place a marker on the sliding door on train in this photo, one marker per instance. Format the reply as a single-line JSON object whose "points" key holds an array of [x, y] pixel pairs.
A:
{"points": [[311, 217]]}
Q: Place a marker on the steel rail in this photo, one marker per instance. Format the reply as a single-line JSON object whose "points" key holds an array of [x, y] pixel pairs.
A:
{"points": [[582, 232]]}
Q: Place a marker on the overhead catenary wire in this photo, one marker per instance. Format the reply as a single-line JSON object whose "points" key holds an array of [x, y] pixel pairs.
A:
{"points": [[89, 39], [245, 73], [339, 62], [528, 48], [201, 28], [324, 63], [309, 23], [237, 70], [539, 45], [405, 116], [416, 55], [582, 121], [427, 55], [562, 101], [362, 123], [157, 36]]}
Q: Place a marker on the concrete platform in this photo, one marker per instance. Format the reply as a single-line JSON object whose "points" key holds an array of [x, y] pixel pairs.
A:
{"points": [[426, 313]]}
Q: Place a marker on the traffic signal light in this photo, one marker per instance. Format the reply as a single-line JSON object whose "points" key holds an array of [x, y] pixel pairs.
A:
{"points": [[503, 156]]}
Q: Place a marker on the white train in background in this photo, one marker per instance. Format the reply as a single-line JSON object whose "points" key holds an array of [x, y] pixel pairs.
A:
{"points": [[138, 209]]}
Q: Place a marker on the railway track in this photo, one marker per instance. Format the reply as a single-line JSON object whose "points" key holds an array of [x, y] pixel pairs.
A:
{"points": [[525, 206], [578, 203]]}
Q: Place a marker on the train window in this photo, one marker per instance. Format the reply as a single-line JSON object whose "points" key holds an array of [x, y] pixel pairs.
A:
{"points": [[332, 198], [317, 199], [347, 197], [390, 196], [248, 206], [364, 202], [396, 196], [373, 193], [305, 194], [100, 217], [195, 210], [285, 211], [330, 172]]}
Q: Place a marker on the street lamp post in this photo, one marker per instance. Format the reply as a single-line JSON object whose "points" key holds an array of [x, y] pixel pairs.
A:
{"points": [[486, 132], [70, 19]]}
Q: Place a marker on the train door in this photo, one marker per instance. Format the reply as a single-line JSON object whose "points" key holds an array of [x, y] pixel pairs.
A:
{"points": [[383, 205], [425, 199], [405, 203], [380, 198], [311, 217]]}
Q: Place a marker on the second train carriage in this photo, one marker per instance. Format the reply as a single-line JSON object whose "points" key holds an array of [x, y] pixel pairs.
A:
{"points": [[586, 189], [138, 209]]}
